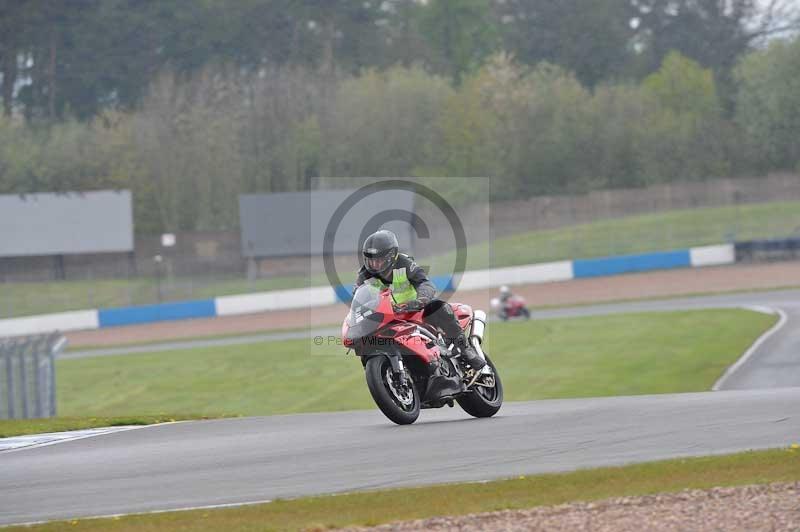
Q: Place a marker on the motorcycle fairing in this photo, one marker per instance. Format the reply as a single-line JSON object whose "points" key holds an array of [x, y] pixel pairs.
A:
{"points": [[373, 324]]}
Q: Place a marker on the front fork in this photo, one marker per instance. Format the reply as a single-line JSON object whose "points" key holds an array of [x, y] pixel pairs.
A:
{"points": [[397, 366]]}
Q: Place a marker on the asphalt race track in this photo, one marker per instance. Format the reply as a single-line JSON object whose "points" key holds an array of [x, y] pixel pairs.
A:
{"points": [[241, 460], [232, 461]]}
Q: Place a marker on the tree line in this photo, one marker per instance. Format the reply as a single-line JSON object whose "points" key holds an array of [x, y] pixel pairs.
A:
{"points": [[80, 57], [191, 103]]}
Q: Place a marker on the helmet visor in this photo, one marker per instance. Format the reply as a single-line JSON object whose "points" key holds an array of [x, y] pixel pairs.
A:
{"points": [[376, 264]]}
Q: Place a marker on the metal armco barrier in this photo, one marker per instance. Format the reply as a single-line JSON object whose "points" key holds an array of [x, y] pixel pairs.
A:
{"points": [[28, 376]]}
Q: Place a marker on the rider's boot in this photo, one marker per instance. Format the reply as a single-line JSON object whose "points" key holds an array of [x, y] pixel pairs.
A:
{"points": [[468, 353]]}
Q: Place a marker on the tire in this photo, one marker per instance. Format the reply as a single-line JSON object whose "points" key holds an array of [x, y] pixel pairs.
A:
{"points": [[526, 313], [377, 370], [477, 404]]}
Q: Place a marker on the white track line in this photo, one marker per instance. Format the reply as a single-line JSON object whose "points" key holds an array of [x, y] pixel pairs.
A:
{"points": [[753, 348], [63, 437]]}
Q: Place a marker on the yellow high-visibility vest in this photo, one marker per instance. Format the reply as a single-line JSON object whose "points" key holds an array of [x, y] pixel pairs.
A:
{"points": [[402, 289]]}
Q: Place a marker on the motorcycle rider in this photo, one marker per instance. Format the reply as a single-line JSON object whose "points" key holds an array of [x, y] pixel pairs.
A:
{"points": [[412, 290], [505, 297], [505, 294]]}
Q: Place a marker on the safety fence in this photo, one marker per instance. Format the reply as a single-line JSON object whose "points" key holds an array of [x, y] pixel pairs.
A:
{"points": [[28, 376]]}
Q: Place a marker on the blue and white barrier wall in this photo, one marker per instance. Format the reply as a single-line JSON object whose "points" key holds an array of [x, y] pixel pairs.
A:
{"points": [[43, 323], [533, 273], [180, 310], [694, 257], [713, 255], [324, 295], [275, 300]]}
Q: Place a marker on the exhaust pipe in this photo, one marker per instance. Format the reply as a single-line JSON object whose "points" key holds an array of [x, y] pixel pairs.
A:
{"points": [[478, 329], [478, 325]]}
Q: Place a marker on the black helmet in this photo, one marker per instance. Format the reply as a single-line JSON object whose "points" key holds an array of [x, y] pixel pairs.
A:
{"points": [[380, 252]]}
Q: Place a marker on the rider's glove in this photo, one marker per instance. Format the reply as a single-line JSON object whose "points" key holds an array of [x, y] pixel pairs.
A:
{"points": [[410, 306], [415, 305]]}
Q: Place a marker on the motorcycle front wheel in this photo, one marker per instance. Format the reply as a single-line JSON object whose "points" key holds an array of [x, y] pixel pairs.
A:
{"points": [[399, 401]]}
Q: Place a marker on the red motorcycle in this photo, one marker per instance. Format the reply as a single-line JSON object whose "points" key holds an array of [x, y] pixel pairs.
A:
{"points": [[408, 363], [514, 307]]}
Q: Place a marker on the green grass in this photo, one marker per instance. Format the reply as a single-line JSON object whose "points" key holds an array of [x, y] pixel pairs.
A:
{"points": [[653, 232], [372, 508], [633, 234], [18, 427], [624, 354], [662, 231], [592, 356]]}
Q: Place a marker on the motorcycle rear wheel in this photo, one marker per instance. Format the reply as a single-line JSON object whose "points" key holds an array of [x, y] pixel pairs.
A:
{"points": [[481, 401], [398, 401]]}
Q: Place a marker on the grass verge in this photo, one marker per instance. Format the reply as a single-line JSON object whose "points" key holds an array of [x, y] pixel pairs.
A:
{"points": [[372, 508], [651, 232], [19, 427], [576, 357]]}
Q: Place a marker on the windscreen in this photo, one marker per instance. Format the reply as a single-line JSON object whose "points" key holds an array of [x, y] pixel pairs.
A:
{"points": [[364, 318]]}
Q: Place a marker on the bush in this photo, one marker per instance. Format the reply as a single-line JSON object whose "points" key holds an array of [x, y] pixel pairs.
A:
{"points": [[768, 105]]}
